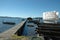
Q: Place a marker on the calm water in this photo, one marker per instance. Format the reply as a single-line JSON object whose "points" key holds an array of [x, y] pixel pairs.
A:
{"points": [[27, 30], [4, 27]]}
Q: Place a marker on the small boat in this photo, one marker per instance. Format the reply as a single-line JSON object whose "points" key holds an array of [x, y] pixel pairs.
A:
{"points": [[10, 23]]}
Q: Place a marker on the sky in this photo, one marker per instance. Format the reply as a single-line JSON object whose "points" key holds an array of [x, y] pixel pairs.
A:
{"points": [[28, 8]]}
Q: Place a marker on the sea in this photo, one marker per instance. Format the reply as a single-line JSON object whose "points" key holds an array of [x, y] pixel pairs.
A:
{"points": [[4, 27], [27, 30]]}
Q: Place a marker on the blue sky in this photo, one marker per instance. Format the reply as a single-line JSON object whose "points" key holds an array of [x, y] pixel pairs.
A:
{"points": [[27, 8]]}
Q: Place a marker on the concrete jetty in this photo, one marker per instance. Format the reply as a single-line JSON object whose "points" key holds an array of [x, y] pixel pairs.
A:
{"points": [[12, 31]]}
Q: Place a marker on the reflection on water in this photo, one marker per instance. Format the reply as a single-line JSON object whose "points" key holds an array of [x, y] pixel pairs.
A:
{"points": [[29, 30]]}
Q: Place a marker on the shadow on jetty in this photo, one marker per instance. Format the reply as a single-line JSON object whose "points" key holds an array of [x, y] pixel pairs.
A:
{"points": [[20, 30]]}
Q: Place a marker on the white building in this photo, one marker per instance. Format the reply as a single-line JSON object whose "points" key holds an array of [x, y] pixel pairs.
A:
{"points": [[50, 17]]}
